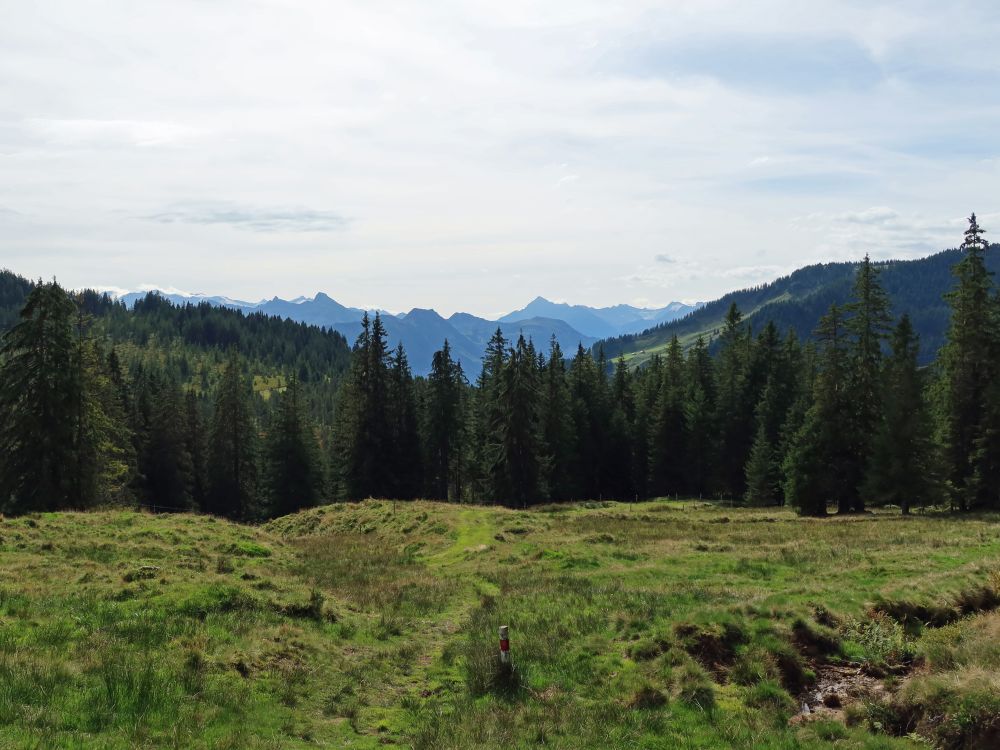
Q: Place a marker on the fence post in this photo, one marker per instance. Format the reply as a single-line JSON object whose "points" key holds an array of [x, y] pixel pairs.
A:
{"points": [[504, 645]]}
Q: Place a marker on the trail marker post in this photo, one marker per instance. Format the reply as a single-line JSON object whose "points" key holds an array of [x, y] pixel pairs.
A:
{"points": [[504, 645]]}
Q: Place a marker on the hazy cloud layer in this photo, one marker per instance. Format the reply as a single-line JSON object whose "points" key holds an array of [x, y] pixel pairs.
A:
{"points": [[465, 154], [254, 219]]}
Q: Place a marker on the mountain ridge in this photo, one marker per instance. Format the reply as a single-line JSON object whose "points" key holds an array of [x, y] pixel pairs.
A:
{"points": [[798, 300], [422, 331]]}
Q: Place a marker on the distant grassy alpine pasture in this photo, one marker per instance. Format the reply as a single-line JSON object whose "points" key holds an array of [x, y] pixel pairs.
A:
{"points": [[654, 625]]}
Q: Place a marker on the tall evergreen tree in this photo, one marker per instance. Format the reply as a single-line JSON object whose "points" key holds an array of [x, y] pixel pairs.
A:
{"points": [[699, 413], [819, 456], [488, 421], [404, 455], [868, 325], [444, 426], [363, 430], [555, 422], [293, 477], [232, 458], [968, 367], [166, 463], [518, 476], [40, 400], [669, 438], [195, 443], [734, 416], [589, 418], [900, 472]]}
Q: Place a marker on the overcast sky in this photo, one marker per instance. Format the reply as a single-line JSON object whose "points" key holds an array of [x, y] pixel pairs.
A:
{"points": [[470, 155]]}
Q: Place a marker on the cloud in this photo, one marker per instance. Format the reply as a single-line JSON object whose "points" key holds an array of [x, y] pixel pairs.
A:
{"points": [[454, 130], [790, 63], [109, 133], [663, 258], [252, 219]]}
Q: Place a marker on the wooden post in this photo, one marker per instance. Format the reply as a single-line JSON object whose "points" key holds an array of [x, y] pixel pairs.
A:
{"points": [[504, 645]]}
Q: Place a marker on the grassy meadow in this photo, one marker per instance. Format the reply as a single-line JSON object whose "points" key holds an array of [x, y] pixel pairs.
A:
{"points": [[654, 625]]}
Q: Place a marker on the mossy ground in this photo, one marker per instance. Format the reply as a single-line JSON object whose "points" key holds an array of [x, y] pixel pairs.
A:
{"points": [[655, 625]]}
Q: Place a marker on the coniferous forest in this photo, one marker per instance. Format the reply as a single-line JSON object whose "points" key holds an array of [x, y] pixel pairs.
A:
{"points": [[250, 417]]}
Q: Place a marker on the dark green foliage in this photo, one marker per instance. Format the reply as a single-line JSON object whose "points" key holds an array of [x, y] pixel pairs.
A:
{"points": [[294, 472], [162, 416], [970, 369], [363, 431], [902, 458], [404, 458], [668, 435], [556, 421], [165, 463], [819, 454], [40, 402], [232, 455], [444, 427], [515, 466], [796, 302]]}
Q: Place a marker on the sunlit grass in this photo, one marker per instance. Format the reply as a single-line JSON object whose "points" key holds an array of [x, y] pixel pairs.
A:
{"points": [[661, 624]]}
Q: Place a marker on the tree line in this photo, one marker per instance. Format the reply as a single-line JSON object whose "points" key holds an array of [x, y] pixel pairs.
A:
{"points": [[846, 420]]}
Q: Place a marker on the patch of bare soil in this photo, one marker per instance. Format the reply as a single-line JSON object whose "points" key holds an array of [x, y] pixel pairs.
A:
{"points": [[837, 686]]}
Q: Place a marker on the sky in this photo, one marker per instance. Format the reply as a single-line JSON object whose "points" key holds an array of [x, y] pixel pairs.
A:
{"points": [[471, 155]]}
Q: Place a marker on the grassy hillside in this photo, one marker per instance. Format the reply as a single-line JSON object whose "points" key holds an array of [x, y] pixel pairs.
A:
{"points": [[663, 624], [797, 302]]}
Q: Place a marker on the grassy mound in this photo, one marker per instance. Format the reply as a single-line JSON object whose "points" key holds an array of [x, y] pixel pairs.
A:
{"points": [[649, 625]]}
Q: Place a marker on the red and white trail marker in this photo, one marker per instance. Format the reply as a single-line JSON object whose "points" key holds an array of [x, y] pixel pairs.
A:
{"points": [[504, 645]]}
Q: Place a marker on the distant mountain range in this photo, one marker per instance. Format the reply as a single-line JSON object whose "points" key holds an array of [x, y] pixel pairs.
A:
{"points": [[799, 300], [422, 332]]}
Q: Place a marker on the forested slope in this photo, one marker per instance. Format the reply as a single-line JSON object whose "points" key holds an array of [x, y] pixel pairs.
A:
{"points": [[799, 300]]}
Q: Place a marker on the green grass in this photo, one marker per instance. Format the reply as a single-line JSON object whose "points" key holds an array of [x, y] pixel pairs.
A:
{"points": [[654, 625]]}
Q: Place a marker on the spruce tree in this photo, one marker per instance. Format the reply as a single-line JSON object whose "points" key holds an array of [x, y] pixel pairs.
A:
{"points": [[196, 445], [166, 463], [734, 416], [589, 419], [968, 366], [232, 457], [699, 413], [518, 476], [668, 429], [293, 476], [555, 422], [819, 457], [103, 446], [363, 430], [444, 426], [868, 325], [900, 472], [40, 400], [404, 456], [488, 424]]}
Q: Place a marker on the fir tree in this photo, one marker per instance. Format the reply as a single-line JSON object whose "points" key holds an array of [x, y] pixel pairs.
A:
{"points": [[294, 477], [404, 459], [868, 323], [40, 400], [968, 367], [734, 416], [555, 422], [819, 457], [699, 413], [166, 463], [363, 431], [518, 476], [902, 456], [196, 446], [444, 426], [668, 437], [232, 458]]}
